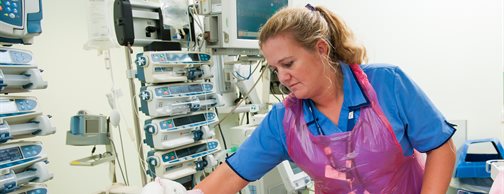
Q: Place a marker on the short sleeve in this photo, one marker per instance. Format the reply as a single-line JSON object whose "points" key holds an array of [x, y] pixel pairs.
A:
{"points": [[263, 150], [425, 127]]}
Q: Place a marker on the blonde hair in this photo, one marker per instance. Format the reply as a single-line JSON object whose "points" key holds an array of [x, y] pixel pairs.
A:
{"points": [[307, 27]]}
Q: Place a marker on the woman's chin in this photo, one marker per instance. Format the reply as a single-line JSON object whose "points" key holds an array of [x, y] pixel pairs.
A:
{"points": [[299, 95]]}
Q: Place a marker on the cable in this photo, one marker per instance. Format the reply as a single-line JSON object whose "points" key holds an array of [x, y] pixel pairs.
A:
{"points": [[122, 151], [274, 95], [193, 12], [108, 65], [236, 74], [118, 162], [244, 97], [142, 164], [221, 133], [250, 70], [136, 112], [282, 92]]}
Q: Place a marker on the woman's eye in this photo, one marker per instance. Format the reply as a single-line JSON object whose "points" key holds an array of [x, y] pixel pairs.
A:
{"points": [[289, 64]]}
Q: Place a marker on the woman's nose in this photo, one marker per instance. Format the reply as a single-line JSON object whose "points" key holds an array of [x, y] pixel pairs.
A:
{"points": [[283, 76]]}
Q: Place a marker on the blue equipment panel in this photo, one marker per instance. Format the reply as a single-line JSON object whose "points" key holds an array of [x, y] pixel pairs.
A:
{"points": [[11, 12], [20, 21], [31, 150], [19, 155], [38, 191], [26, 104], [22, 106]]}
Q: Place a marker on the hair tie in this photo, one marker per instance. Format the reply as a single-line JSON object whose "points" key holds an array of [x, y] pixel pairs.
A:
{"points": [[310, 7]]}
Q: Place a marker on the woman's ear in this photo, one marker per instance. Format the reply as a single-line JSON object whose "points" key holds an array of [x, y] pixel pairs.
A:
{"points": [[322, 47]]}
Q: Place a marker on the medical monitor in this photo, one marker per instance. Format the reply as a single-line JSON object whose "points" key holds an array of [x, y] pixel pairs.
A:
{"points": [[237, 26], [293, 177]]}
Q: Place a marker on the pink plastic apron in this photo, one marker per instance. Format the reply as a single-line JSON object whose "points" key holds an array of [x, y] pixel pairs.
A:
{"points": [[367, 159]]}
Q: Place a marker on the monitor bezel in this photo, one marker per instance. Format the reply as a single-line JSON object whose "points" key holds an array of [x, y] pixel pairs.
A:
{"points": [[228, 16], [289, 178]]}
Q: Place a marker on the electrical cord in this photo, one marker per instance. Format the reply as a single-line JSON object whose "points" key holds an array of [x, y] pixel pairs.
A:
{"points": [[136, 112], [240, 77], [122, 151], [244, 97], [108, 65], [271, 91], [193, 12], [118, 161], [221, 133], [232, 111]]}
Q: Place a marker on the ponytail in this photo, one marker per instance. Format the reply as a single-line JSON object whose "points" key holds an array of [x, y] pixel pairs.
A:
{"points": [[344, 47]]}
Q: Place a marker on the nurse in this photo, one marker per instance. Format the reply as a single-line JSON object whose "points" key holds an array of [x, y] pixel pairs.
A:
{"points": [[353, 128]]}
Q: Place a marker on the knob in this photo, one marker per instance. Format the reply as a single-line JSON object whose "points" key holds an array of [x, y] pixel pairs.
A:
{"points": [[150, 128]]}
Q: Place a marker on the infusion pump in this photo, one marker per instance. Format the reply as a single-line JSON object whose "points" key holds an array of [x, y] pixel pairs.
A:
{"points": [[172, 66]]}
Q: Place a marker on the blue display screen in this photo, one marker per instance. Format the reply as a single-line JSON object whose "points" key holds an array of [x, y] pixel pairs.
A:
{"points": [[251, 15], [10, 154]]}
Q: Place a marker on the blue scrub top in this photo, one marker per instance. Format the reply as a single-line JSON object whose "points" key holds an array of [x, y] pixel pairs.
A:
{"points": [[416, 122]]}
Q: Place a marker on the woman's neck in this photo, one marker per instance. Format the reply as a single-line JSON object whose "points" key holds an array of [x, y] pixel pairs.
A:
{"points": [[330, 105], [332, 94], [332, 99]]}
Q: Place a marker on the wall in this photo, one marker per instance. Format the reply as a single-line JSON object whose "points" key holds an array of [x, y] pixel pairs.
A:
{"points": [[453, 49]]}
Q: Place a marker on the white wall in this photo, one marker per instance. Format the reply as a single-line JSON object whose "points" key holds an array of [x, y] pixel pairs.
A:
{"points": [[452, 48]]}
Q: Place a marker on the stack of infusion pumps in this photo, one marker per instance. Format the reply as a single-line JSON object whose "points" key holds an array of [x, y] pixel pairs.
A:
{"points": [[180, 102], [23, 164]]}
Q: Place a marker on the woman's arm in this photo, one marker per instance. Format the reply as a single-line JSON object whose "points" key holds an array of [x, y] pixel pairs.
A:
{"points": [[222, 181], [439, 169]]}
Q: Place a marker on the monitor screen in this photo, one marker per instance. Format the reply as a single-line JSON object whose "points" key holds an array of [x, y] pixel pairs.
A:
{"points": [[191, 150], [251, 15], [92, 125], [183, 89], [189, 120], [182, 57]]}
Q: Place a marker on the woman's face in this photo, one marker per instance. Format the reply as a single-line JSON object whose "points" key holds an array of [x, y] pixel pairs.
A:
{"points": [[301, 70]]}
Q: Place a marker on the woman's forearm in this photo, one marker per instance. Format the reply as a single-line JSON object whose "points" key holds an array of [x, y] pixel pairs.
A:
{"points": [[439, 169], [222, 181]]}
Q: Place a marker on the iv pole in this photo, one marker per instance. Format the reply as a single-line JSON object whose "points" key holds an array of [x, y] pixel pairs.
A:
{"points": [[134, 106]]}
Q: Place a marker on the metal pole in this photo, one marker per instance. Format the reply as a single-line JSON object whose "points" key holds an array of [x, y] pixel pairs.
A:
{"points": [[134, 106]]}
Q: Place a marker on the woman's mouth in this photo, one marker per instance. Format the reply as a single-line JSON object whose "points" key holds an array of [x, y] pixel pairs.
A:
{"points": [[292, 85]]}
